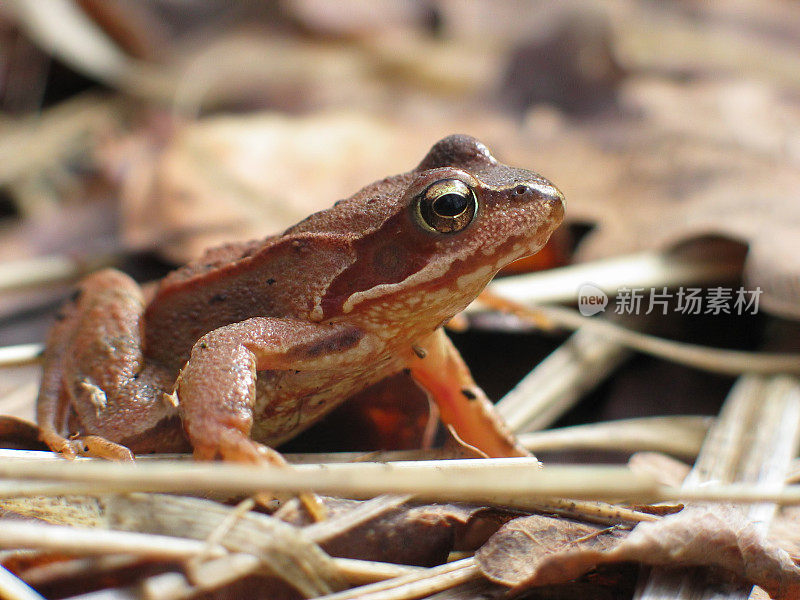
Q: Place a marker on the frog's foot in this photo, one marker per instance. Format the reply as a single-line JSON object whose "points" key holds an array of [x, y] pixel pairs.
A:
{"points": [[92, 446], [99, 447], [16, 432], [233, 445], [58, 444]]}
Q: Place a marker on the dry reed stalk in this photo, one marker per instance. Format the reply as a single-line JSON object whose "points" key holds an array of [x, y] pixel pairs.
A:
{"points": [[13, 588], [515, 482], [753, 442]]}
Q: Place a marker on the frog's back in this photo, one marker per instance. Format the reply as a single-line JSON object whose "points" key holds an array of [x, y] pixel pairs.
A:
{"points": [[280, 276]]}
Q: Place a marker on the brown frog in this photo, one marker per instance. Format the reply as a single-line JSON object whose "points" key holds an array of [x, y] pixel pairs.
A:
{"points": [[256, 341]]}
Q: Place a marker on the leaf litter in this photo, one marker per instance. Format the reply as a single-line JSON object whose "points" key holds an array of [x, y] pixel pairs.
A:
{"points": [[540, 550], [737, 179]]}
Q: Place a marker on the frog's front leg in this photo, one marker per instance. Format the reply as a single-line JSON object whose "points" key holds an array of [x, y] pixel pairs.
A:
{"points": [[438, 367], [216, 388]]}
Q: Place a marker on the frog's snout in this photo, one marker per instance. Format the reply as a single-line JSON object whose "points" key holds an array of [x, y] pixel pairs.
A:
{"points": [[547, 194], [552, 195]]}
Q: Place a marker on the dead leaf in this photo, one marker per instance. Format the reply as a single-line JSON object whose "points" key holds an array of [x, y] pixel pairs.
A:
{"points": [[237, 178], [785, 531], [707, 158], [538, 550], [412, 535]]}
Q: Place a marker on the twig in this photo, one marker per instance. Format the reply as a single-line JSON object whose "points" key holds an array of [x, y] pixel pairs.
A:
{"points": [[515, 482], [677, 435], [645, 269], [33, 144], [560, 380], [98, 541], [63, 30], [23, 354], [13, 588], [589, 356], [729, 362], [47, 270], [414, 585]]}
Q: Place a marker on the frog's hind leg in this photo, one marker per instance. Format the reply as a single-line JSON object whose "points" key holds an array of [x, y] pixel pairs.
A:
{"points": [[94, 372], [53, 406]]}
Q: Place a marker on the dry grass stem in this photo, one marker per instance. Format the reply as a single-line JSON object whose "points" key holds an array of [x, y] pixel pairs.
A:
{"points": [[324, 530], [13, 588], [680, 436], [63, 30], [48, 270], [30, 146], [259, 535], [362, 572], [492, 481], [561, 380], [582, 510], [479, 479], [98, 541], [753, 444], [646, 269], [414, 585], [218, 572], [727, 362], [23, 354]]}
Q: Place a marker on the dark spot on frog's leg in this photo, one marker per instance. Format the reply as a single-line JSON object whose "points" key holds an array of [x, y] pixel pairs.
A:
{"points": [[217, 298], [468, 394], [270, 281], [75, 295], [60, 316], [336, 342]]}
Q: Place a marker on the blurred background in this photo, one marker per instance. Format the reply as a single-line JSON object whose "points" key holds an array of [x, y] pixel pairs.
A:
{"points": [[139, 132]]}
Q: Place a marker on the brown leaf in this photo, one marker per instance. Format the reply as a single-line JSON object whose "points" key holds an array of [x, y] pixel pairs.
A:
{"points": [[412, 535], [696, 163], [785, 531], [239, 178], [519, 554], [539, 550]]}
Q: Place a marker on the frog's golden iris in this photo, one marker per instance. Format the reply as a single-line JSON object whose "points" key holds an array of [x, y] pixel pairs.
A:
{"points": [[447, 206]]}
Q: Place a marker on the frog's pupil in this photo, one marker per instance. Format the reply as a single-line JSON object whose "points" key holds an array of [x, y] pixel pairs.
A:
{"points": [[450, 205]]}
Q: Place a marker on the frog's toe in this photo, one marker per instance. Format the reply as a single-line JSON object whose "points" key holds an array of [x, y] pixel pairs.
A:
{"points": [[233, 445], [58, 444], [99, 447]]}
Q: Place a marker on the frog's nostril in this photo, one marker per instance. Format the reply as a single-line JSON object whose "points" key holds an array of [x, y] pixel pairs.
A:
{"points": [[521, 190]]}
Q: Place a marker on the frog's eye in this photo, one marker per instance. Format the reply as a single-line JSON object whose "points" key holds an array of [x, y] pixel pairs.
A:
{"points": [[447, 206]]}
